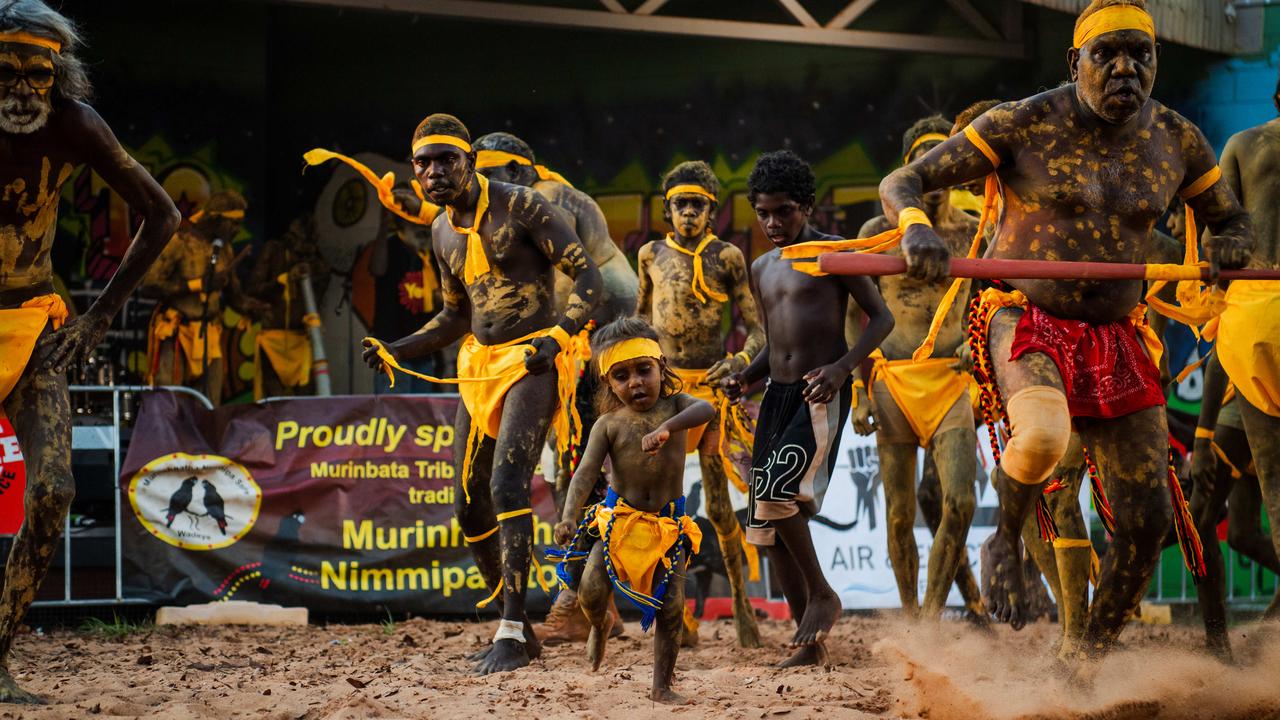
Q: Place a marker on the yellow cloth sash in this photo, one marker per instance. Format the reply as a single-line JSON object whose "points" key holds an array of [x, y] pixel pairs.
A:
{"points": [[1112, 19], [476, 262], [190, 343], [25, 38], [701, 290], [1248, 341], [808, 252], [733, 425], [383, 185], [288, 351], [628, 350], [1197, 302], [199, 215], [20, 328], [924, 390], [497, 158], [640, 541]]}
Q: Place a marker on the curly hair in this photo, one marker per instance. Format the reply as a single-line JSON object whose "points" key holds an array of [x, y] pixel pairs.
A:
{"points": [[71, 82], [783, 171], [965, 117], [921, 127], [625, 328], [441, 124]]}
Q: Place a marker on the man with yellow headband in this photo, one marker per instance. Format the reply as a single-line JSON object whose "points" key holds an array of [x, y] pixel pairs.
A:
{"points": [[686, 283], [923, 404], [498, 246], [283, 351], [1085, 170], [506, 158], [1237, 441], [184, 341], [47, 132]]}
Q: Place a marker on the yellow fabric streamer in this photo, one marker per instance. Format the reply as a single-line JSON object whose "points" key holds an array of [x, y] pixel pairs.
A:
{"points": [[288, 351], [1197, 303], [20, 328], [476, 262], [733, 429], [979, 142], [25, 38], [991, 199], [924, 391], [1172, 271], [1112, 19], [628, 350], [383, 185], [927, 137], [482, 536], [690, 189], [887, 240], [457, 142], [1248, 342], [640, 541], [701, 290]]}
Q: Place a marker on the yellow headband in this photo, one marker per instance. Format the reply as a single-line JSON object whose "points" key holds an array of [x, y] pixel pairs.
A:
{"points": [[927, 137], [1112, 19], [201, 214], [694, 189], [628, 350], [498, 158], [26, 38], [457, 142]]}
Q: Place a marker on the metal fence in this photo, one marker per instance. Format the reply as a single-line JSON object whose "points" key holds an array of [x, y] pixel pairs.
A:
{"points": [[105, 437]]}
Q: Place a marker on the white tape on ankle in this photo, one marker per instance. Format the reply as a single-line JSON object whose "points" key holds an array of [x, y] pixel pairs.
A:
{"points": [[509, 630]]}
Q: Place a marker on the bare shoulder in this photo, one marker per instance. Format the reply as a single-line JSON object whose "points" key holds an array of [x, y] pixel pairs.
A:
{"points": [[522, 203], [728, 253], [762, 263], [1022, 113], [645, 253], [874, 226]]}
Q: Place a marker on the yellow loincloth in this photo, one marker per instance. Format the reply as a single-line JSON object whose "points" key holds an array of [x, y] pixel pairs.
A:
{"points": [[164, 324], [20, 328], [695, 385], [639, 542], [1248, 342], [924, 391], [288, 351]]}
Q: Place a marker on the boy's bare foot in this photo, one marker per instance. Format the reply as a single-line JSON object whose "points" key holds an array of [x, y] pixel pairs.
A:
{"points": [[815, 654], [503, 656], [819, 616], [1002, 588], [667, 696]]}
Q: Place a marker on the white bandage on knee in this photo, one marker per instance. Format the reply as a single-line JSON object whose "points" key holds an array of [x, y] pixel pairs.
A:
{"points": [[1041, 426], [509, 630]]}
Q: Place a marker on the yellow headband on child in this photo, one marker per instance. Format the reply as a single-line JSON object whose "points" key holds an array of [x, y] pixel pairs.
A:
{"points": [[927, 137], [1112, 19], [26, 38], [628, 350], [498, 158], [457, 142], [201, 214], [694, 189]]}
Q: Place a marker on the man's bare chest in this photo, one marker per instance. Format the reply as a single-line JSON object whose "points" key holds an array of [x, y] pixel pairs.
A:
{"points": [[30, 187]]}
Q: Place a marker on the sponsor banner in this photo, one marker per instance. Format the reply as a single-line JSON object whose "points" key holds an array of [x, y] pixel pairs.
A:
{"points": [[338, 504], [850, 535], [13, 479]]}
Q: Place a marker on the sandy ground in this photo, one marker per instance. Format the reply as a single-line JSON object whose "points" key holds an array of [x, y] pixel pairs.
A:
{"points": [[881, 668]]}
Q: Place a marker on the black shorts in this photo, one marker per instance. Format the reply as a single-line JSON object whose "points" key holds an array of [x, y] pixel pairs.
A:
{"points": [[796, 446]]}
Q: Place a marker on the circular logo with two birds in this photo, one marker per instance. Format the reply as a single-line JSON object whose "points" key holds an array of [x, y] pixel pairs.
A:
{"points": [[195, 502]]}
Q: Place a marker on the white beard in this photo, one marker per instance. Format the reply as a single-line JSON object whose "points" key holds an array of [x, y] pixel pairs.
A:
{"points": [[11, 106]]}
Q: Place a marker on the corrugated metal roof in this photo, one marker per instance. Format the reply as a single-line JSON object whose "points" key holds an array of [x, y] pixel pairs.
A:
{"points": [[1204, 24]]}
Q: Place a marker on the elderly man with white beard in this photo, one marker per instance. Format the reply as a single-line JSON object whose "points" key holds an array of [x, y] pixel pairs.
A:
{"points": [[46, 131]]}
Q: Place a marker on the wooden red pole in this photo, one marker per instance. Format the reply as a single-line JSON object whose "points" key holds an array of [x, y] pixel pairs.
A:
{"points": [[848, 263]]}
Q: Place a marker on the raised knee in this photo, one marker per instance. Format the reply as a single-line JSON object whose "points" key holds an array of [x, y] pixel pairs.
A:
{"points": [[56, 495], [1041, 425], [960, 505]]}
